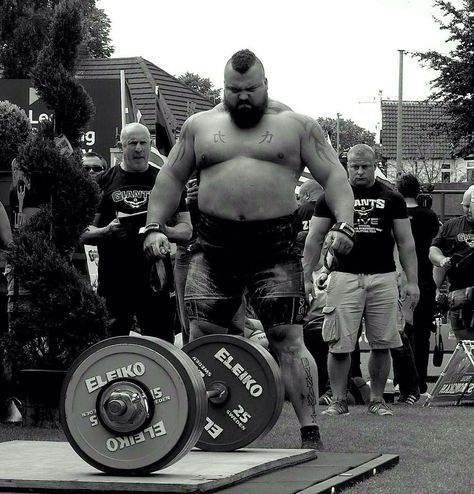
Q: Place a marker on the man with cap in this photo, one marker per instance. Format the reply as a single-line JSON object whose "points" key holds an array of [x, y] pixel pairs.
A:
{"points": [[452, 254]]}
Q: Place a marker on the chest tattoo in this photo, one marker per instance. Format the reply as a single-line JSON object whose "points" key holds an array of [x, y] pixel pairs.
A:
{"points": [[266, 138], [219, 137]]}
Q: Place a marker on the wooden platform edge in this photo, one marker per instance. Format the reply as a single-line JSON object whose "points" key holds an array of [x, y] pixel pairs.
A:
{"points": [[120, 486], [244, 476], [353, 475]]}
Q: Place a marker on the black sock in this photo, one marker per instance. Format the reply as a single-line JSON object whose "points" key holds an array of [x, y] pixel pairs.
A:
{"points": [[310, 432]]}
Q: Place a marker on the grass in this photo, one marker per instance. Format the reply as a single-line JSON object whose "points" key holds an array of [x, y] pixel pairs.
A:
{"points": [[434, 445]]}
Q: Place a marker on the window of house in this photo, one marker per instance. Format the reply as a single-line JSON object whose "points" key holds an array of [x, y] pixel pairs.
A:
{"points": [[445, 173], [470, 171]]}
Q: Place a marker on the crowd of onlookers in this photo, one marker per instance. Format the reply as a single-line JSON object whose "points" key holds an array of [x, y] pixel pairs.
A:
{"points": [[387, 281]]}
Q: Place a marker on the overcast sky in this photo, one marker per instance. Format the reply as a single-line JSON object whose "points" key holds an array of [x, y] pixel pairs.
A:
{"points": [[320, 57]]}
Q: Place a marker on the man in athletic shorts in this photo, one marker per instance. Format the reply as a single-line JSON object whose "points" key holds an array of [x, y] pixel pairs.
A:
{"points": [[363, 283], [250, 152]]}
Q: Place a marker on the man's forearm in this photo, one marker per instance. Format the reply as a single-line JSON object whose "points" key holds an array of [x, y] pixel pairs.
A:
{"points": [[311, 254], [182, 232], [164, 198], [436, 255], [92, 235], [409, 261], [340, 199]]}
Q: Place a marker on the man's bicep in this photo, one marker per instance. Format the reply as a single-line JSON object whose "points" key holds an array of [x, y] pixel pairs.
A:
{"points": [[181, 160], [402, 231], [316, 152]]}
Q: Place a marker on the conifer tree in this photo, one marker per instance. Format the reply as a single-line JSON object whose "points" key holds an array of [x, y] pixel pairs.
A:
{"points": [[65, 316]]}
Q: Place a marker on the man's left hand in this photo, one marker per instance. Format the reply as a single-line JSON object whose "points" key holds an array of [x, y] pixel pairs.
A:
{"points": [[340, 242], [413, 293]]}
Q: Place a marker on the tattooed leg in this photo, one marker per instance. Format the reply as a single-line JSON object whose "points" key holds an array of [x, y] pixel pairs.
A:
{"points": [[299, 371]]}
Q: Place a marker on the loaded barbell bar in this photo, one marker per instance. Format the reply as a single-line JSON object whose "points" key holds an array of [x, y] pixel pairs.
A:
{"points": [[133, 405]]}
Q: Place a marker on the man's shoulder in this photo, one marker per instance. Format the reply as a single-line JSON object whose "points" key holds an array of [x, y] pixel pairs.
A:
{"points": [[106, 176], [275, 107]]}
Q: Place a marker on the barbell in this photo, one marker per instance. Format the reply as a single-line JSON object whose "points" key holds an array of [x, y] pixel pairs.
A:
{"points": [[133, 405]]}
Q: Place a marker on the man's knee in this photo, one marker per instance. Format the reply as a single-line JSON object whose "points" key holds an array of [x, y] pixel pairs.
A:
{"points": [[198, 328], [339, 357], [287, 340]]}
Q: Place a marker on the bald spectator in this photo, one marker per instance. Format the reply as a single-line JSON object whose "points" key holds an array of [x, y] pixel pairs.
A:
{"points": [[125, 276], [452, 254]]}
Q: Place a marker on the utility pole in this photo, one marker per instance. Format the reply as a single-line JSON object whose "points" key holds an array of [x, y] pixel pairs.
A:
{"points": [[338, 145], [400, 115]]}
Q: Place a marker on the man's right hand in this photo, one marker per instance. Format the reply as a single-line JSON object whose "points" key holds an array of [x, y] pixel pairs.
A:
{"points": [[156, 246], [340, 242], [445, 262]]}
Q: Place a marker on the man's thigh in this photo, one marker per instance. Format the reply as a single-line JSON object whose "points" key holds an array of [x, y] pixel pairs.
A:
{"points": [[381, 309], [343, 312], [276, 292], [213, 292]]}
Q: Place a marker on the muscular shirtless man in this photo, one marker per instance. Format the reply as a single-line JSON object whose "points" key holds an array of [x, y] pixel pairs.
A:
{"points": [[249, 153]]}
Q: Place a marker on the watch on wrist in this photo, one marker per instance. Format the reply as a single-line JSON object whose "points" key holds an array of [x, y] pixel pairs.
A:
{"points": [[151, 227], [345, 228]]}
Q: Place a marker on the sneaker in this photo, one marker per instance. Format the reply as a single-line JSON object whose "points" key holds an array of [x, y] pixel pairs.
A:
{"points": [[337, 407], [311, 438], [379, 408], [326, 398], [408, 399]]}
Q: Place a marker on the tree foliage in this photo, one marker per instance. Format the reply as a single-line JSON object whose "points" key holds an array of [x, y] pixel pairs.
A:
{"points": [[64, 315], [201, 85], [454, 85], [349, 133], [53, 74], [14, 130], [25, 27]]}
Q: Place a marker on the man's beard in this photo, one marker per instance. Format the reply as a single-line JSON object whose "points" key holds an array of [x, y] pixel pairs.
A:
{"points": [[246, 116]]}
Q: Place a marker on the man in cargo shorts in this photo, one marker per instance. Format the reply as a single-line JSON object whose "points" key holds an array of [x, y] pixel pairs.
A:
{"points": [[364, 283]]}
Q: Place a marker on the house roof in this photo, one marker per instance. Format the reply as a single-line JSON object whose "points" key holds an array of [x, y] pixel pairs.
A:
{"points": [[421, 136], [178, 101]]}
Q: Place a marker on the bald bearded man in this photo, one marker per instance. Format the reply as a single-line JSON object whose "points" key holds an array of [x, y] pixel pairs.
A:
{"points": [[249, 153]]}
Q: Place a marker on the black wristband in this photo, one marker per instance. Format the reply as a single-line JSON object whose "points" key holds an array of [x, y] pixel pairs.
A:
{"points": [[151, 227], [345, 228]]}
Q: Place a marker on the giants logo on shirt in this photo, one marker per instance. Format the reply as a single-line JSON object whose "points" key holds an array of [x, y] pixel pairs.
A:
{"points": [[362, 210], [134, 199]]}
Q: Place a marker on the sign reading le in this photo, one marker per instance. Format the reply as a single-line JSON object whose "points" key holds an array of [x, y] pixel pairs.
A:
{"points": [[134, 405]]}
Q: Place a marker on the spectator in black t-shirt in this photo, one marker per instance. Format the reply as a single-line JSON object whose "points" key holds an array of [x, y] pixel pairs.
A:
{"points": [[424, 226], [125, 278], [453, 251], [364, 282]]}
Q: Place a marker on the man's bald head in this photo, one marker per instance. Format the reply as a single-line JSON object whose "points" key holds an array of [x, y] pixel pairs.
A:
{"points": [[133, 128], [310, 191], [361, 151], [361, 165]]}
